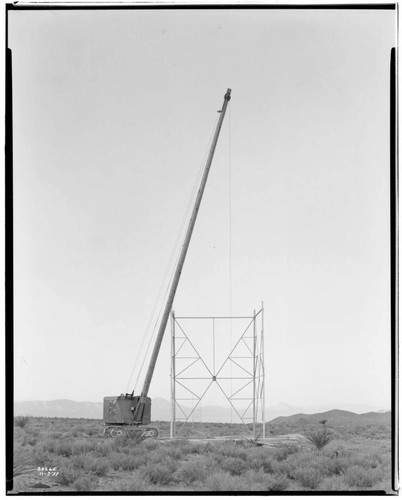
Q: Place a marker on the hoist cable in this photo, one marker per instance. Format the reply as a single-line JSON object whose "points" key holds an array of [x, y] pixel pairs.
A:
{"points": [[154, 329], [230, 250], [169, 268]]}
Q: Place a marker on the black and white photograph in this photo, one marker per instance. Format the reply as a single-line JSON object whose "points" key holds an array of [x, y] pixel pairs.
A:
{"points": [[201, 248]]}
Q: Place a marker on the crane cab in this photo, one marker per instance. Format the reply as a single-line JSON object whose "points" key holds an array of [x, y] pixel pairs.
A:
{"points": [[119, 410]]}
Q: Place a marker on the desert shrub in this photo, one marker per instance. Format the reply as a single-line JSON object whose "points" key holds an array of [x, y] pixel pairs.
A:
{"points": [[32, 432], [63, 448], [83, 446], [230, 450], [257, 464], [49, 445], [117, 460], [105, 449], [341, 452], [257, 479], [119, 442], [188, 447], [259, 451], [260, 459], [316, 464], [306, 459], [77, 461], [268, 465], [137, 482], [367, 461], [358, 477], [93, 432], [157, 473], [234, 465], [55, 435], [96, 465], [67, 475], [150, 444], [308, 478], [320, 437], [174, 453], [284, 451], [337, 466], [385, 467], [143, 457], [21, 421], [261, 481], [132, 462], [83, 483], [334, 483], [125, 461], [223, 481], [157, 455], [122, 444], [42, 457], [194, 469], [29, 440], [276, 482]]}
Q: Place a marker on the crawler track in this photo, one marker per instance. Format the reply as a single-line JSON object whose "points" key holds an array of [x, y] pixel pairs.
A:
{"points": [[130, 431]]}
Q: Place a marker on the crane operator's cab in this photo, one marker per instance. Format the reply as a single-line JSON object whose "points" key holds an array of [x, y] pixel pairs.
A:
{"points": [[119, 416]]}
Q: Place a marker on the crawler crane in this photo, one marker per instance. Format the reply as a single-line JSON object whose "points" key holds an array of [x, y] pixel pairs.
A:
{"points": [[129, 414]]}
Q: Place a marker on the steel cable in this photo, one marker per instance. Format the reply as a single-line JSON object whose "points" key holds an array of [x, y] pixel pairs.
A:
{"points": [[169, 269]]}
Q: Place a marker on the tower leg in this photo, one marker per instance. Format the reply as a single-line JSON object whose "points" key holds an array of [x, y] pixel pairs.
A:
{"points": [[173, 379]]}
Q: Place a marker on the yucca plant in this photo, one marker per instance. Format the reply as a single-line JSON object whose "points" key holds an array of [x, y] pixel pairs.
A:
{"points": [[256, 441], [319, 438], [21, 421], [23, 464]]}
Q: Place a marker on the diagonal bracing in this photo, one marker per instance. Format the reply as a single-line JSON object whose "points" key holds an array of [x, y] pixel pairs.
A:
{"points": [[253, 387]]}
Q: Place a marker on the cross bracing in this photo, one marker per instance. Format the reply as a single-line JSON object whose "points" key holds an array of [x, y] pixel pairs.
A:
{"points": [[198, 364]]}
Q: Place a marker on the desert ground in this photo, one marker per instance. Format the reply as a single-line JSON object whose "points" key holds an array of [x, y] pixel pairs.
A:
{"points": [[334, 451]]}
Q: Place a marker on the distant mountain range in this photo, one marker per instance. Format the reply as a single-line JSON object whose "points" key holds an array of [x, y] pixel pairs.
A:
{"points": [[59, 408], [161, 410], [335, 417]]}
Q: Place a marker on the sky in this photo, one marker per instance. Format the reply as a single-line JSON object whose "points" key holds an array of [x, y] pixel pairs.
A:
{"points": [[113, 113]]}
